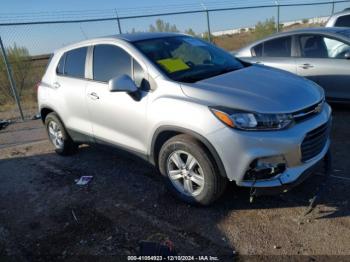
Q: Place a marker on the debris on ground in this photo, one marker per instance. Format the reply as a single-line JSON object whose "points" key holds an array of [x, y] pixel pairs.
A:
{"points": [[75, 217], [36, 117], [324, 184], [4, 123], [83, 180]]}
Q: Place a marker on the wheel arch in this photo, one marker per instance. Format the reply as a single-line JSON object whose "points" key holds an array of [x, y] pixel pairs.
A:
{"points": [[44, 111], [164, 133]]}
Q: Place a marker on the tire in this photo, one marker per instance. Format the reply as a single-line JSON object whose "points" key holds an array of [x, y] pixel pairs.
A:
{"points": [[185, 182], [58, 136]]}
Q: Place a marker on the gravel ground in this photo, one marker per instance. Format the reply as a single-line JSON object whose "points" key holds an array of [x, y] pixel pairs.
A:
{"points": [[127, 202]]}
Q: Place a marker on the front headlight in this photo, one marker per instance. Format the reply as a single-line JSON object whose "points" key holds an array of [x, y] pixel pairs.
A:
{"points": [[252, 121]]}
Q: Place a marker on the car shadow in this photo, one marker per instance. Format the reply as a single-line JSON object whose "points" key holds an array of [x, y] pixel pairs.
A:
{"points": [[126, 201]]}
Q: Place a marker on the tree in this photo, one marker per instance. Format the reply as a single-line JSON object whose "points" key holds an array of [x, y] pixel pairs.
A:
{"points": [[162, 26], [205, 36], [190, 32], [265, 28], [20, 62], [305, 21]]}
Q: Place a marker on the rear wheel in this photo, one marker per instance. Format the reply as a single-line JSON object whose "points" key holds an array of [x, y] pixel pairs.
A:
{"points": [[190, 171], [58, 135]]}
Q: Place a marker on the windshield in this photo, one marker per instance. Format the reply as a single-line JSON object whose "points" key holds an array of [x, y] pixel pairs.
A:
{"points": [[187, 59]]}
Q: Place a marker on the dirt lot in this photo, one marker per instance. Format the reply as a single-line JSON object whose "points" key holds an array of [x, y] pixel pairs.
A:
{"points": [[127, 202]]}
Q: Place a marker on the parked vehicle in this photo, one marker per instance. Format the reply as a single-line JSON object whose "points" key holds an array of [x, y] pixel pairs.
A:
{"points": [[319, 54], [341, 19], [191, 109]]}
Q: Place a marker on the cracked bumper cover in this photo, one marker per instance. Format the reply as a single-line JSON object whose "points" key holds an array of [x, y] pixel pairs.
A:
{"points": [[285, 186]]}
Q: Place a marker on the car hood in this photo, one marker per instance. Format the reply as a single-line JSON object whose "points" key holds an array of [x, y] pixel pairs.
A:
{"points": [[256, 88]]}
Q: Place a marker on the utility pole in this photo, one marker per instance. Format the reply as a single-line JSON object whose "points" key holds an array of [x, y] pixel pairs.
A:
{"points": [[333, 7], [10, 76]]}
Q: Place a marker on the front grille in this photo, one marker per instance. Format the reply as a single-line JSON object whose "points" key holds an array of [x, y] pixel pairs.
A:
{"points": [[314, 142], [308, 112]]}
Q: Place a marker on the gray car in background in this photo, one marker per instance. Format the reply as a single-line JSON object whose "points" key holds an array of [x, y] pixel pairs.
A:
{"points": [[341, 19], [319, 54], [194, 111]]}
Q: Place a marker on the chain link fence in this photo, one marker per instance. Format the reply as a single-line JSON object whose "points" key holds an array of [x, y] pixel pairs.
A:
{"points": [[28, 45]]}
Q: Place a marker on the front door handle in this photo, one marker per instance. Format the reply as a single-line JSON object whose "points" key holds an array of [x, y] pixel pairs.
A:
{"points": [[94, 96], [306, 66]]}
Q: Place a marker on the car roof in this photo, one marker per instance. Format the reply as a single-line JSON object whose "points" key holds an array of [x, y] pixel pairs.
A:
{"points": [[317, 30], [143, 36], [344, 12], [132, 37], [338, 32]]}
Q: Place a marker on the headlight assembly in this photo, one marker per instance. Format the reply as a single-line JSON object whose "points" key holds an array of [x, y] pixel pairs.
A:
{"points": [[252, 121]]}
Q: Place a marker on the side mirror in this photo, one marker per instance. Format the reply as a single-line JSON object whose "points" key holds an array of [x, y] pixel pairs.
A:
{"points": [[122, 83], [347, 55]]}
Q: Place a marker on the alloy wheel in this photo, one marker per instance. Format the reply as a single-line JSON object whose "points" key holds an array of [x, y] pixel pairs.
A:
{"points": [[185, 173]]}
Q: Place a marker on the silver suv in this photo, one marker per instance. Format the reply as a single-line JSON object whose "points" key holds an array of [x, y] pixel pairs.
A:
{"points": [[200, 115]]}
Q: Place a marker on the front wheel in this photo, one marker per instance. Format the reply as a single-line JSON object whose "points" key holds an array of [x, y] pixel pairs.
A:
{"points": [[190, 171]]}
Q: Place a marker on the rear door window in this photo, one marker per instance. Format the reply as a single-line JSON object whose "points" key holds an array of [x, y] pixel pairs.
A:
{"points": [[75, 63]]}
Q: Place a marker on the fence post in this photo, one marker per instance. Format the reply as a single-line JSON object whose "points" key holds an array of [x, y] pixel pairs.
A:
{"points": [[208, 21], [208, 24], [333, 7], [118, 21], [11, 80], [278, 16]]}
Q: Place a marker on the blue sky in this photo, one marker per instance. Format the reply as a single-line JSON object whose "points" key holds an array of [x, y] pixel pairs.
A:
{"points": [[45, 38]]}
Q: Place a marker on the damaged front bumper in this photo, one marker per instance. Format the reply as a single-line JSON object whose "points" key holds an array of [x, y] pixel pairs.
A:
{"points": [[284, 184]]}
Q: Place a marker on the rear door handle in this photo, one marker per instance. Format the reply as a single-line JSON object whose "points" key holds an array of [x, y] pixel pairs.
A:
{"points": [[94, 96], [56, 85], [306, 66]]}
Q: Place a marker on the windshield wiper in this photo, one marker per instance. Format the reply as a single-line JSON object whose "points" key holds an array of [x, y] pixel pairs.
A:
{"points": [[191, 78], [226, 70]]}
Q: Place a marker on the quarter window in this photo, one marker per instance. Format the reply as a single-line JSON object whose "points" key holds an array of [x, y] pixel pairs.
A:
{"points": [[257, 51], [281, 47], [139, 74], [60, 66], [75, 62]]}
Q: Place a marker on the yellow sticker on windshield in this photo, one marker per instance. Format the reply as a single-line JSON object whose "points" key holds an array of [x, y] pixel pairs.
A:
{"points": [[173, 64]]}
